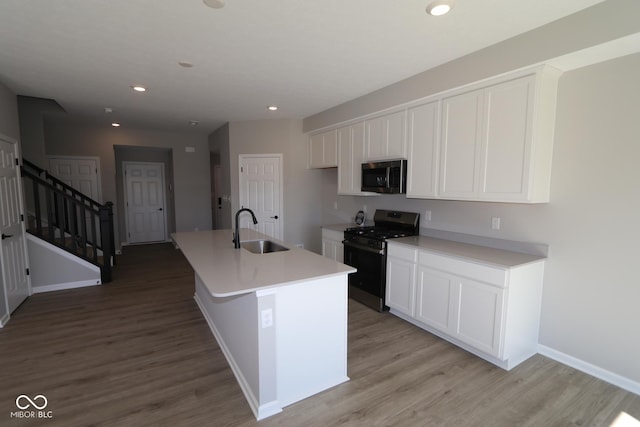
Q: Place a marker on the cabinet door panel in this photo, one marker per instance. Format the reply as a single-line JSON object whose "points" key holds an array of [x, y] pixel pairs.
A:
{"points": [[422, 146], [460, 143], [375, 131], [395, 136], [330, 149], [316, 151], [350, 159], [434, 298], [384, 138], [345, 166], [323, 150], [480, 316], [401, 285], [357, 153], [507, 139]]}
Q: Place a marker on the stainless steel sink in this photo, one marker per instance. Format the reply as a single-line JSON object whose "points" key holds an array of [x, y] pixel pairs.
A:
{"points": [[263, 246]]}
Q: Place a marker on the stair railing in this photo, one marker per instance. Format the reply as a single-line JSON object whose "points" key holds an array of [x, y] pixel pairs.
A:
{"points": [[68, 219]]}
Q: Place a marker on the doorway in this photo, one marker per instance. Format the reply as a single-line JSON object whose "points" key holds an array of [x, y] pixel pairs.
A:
{"points": [[81, 173], [145, 205], [13, 248], [137, 154], [261, 191]]}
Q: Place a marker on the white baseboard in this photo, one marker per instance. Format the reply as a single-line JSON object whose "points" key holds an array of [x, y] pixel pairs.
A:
{"points": [[588, 368], [63, 286], [4, 320]]}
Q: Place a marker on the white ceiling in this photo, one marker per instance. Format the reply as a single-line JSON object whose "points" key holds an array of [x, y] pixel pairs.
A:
{"points": [[303, 55]]}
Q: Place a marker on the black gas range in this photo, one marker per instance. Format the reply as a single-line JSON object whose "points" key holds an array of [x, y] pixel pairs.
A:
{"points": [[365, 248]]}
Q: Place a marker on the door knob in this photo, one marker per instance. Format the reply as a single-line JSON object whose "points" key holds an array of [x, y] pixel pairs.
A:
{"points": [[159, 209], [6, 236], [275, 217]]}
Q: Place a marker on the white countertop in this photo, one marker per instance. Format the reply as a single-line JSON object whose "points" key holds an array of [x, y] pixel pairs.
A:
{"points": [[227, 271], [482, 254]]}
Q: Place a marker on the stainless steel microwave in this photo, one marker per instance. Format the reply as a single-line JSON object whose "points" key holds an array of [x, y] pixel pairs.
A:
{"points": [[388, 177]]}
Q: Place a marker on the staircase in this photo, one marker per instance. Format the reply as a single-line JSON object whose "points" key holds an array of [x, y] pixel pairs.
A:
{"points": [[68, 219]]}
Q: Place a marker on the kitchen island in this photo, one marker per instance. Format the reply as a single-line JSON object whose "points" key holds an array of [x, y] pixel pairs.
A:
{"points": [[280, 318]]}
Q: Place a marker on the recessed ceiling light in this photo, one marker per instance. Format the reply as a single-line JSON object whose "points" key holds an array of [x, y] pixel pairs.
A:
{"points": [[216, 4], [439, 7], [115, 124], [108, 110], [272, 108], [139, 88], [193, 123], [185, 64]]}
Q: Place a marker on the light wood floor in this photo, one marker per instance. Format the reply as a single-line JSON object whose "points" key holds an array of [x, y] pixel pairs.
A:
{"points": [[138, 352]]}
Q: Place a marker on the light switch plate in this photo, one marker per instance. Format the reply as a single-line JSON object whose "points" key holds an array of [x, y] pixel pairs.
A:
{"points": [[267, 318], [495, 223]]}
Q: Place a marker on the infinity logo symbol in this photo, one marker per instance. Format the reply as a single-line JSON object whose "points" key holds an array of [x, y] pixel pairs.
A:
{"points": [[30, 402]]}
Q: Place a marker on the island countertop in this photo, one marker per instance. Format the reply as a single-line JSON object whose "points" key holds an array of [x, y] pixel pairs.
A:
{"points": [[226, 271]]}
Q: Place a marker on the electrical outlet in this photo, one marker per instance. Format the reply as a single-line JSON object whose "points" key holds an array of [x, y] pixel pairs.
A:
{"points": [[427, 215], [335, 205], [364, 208], [495, 223], [267, 318], [300, 245]]}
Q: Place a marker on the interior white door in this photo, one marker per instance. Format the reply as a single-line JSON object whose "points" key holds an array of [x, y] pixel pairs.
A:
{"points": [[79, 172], [13, 250], [146, 212], [261, 191]]}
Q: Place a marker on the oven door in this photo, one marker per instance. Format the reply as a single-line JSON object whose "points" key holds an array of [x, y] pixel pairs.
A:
{"points": [[367, 285]]}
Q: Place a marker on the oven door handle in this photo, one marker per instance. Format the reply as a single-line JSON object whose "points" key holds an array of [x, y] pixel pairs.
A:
{"points": [[363, 248]]}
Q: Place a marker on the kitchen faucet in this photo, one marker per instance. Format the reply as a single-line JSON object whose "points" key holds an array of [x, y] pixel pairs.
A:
{"points": [[236, 234]]}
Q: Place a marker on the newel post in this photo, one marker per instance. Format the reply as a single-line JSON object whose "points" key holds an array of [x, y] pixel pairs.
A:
{"points": [[107, 239]]}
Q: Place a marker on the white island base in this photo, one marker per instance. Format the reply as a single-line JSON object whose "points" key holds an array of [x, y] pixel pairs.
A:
{"points": [[283, 344]]}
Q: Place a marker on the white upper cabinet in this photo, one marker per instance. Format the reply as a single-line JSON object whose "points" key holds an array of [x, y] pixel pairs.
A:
{"points": [[460, 145], [384, 137], [488, 141], [497, 141], [323, 150], [350, 159], [423, 129]]}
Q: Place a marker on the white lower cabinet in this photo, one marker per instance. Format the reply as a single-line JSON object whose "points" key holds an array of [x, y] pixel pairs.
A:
{"points": [[401, 272], [479, 316], [435, 298], [490, 311], [332, 246]]}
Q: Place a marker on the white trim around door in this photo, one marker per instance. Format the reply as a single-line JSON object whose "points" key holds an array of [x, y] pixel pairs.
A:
{"points": [[261, 190], [145, 202]]}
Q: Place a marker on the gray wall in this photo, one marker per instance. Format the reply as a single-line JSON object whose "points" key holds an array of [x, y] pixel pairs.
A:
{"points": [[219, 147], [599, 24], [190, 170], [32, 112], [591, 286], [302, 216], [9, 125]]}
